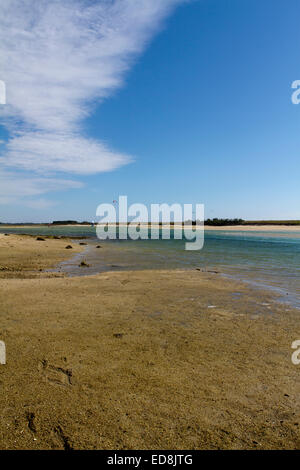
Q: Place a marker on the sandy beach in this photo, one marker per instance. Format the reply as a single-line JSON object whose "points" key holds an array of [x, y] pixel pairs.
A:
{"points": [[257, 228], [178, 359]]}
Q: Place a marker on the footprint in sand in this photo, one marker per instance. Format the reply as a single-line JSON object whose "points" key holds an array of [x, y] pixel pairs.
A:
{"points": [[55, 375]]}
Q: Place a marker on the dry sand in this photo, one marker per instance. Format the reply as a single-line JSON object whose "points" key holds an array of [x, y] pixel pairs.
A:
{"points": [[138, 360]]}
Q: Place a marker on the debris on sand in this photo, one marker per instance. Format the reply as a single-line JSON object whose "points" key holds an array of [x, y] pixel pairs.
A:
{"points": [[208, 271], [40, 239], [118, 335], [4, 268], [98, 246], [82, 243], [2, 353], [69, 247], [30, 418]]}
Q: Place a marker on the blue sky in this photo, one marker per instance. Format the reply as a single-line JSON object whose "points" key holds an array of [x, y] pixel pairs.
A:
{"points": [[198, 111]]}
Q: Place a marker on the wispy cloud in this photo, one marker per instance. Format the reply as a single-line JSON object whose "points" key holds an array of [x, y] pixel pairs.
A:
{"points": [[60, 58], [61, 152], [15, 186]]}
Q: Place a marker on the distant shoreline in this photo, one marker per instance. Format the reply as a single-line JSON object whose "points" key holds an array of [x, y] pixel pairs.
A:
{"points": [[257, 228], [231, 228]]}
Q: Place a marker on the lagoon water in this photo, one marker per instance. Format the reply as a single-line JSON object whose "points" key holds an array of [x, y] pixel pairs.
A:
{"points": [[266, 259]]}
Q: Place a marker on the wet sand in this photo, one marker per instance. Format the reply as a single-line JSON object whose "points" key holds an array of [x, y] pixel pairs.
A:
{"points": [[23, 256], [178, 359]]}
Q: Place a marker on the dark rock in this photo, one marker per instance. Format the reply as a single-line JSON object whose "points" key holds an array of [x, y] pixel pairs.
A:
{"points": [[69, 247], [83, 264], [40, 239]]}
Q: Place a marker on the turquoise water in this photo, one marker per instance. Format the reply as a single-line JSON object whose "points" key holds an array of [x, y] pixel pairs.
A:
{"points": [[266, 259]]}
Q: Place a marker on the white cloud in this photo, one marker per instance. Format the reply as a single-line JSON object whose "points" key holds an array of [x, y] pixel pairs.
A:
{"points": [[58, 59], [41, 151], [18, 187]]}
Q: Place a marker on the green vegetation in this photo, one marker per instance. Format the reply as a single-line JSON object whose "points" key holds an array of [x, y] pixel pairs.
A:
{"points": [[222, 222], [64, 222], [272, 222]]}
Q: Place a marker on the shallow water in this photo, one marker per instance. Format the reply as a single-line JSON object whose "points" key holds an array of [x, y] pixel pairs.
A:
{"points": [[270, 259]]}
